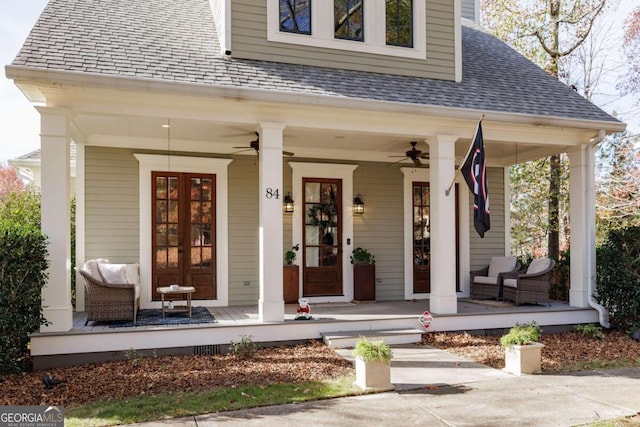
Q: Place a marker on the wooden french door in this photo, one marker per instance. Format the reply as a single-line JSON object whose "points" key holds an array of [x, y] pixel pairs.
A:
{"points": [[322, 237], [422, 238], [184, 232]]}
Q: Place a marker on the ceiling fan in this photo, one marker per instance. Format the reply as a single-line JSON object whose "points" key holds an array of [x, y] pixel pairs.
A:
{"points": [[413, 154], [255, 145]]}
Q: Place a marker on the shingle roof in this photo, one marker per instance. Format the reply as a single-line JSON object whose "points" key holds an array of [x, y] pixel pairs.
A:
{"points": [[176, 41], [37, 154]]}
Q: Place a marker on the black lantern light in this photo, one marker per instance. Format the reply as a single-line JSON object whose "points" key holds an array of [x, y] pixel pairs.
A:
{"points": [[287, 205], [358, 205]]}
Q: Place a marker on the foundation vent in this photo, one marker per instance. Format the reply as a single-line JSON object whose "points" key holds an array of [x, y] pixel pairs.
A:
{"points": [[206, 349]]}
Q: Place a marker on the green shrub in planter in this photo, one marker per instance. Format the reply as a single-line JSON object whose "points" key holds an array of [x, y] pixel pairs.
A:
{"points": [[521, 335], [372, 350], [362, 256]]}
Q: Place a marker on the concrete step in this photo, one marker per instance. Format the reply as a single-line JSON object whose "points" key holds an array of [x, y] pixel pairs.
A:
{"points": [[348, 339]]}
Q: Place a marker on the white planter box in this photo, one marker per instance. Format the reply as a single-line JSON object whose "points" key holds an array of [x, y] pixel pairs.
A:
{"points": [[372, 376], [523, 359]]}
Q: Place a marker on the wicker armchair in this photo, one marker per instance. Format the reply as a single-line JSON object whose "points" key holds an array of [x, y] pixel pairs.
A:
{"points": [[531, 286], [486, 282], [110, 301]]}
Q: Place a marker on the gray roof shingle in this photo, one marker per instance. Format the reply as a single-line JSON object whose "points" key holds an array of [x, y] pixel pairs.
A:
{"points": [[176, 41]]}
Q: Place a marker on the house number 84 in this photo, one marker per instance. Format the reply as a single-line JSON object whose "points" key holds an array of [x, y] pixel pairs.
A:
{"points": [[271, 193]]}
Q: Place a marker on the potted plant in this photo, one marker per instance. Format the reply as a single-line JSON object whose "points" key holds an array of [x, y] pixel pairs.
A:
{"points": [[364, 275], [290, 256], [523, 353], [290, 276], [373, 365]]}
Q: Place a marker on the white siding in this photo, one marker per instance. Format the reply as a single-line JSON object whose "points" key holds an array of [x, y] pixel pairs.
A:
{"points": [[249, 41], [111, 205], [380, 229], [493, 243], [243, 231]]}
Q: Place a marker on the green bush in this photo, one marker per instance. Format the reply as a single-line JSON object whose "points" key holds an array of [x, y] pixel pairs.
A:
{"points": [[23, 264], [521, 335], [618, 277], [245, 348], [372, 350], [590, 331]]}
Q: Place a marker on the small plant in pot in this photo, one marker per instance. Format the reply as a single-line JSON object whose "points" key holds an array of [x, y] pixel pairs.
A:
{"points": [[523, 353], [524, 334], [290, 256], [373, 364], [362, 256]]}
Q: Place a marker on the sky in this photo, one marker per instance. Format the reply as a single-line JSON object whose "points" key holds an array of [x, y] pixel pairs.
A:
{"points": [[19, 121]]}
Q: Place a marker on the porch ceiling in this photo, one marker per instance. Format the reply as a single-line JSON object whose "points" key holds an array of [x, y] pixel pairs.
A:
{"points": [[221, 138]]}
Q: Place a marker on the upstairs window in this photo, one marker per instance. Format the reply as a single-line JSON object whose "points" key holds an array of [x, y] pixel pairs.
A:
{"points": [[348, 19], [399, 28], [295, 16], [393, 27]]}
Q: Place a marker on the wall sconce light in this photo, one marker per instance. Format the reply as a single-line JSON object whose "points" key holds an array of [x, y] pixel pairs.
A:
{"points": [[287, 205], [358, 205]]}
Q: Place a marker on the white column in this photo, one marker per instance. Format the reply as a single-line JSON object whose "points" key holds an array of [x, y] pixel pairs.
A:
{"points": [[271, 303], [54, 145], [582, 220], [80, 232], [443, 298]]}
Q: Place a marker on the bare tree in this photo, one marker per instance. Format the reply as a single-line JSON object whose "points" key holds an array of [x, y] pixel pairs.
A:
{"points": [[546, 32]]}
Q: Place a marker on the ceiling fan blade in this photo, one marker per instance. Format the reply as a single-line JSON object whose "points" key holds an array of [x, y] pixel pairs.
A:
{"points": [[399, 161], [242, 151], [424, 155], [288, 153], [417, 161], [248, 148]]}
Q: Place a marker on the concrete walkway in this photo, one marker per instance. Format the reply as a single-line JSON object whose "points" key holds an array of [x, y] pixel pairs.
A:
{"points": [[436, 388]]}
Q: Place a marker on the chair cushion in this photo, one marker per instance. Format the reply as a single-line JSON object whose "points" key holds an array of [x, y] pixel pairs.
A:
{"points": [[120, 274], [486, 280], [538, 265], [511, 283], [91, 268], [501, 265]]}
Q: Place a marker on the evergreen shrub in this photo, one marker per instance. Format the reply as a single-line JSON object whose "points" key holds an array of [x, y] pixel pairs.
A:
{"points": [[618, 277], [23, 264]]}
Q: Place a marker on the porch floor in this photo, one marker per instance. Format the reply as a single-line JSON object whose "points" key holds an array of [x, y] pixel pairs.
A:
{"points": [[92, 343], [340, 312]]}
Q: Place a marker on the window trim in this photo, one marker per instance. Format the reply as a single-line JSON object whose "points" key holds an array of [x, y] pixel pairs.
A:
{"points": [[322, 24]]}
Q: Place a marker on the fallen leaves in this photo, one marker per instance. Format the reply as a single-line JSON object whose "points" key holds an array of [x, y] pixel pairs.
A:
{"points": [[170, 374], [562, 352]]}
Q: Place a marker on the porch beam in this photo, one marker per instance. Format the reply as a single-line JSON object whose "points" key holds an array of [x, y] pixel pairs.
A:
{"points": [[55, 221], [443, 299], [271, 302]]}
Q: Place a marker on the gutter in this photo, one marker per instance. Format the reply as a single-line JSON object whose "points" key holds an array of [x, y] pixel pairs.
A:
{"points": [[603, 315], [22, 74]]}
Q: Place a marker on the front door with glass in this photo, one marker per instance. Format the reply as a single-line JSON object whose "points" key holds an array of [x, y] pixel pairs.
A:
{"points": [[322, 251]]}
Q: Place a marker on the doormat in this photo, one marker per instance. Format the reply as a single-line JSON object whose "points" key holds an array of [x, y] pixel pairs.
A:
{"points": [[491, 303], [153, 317]]}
